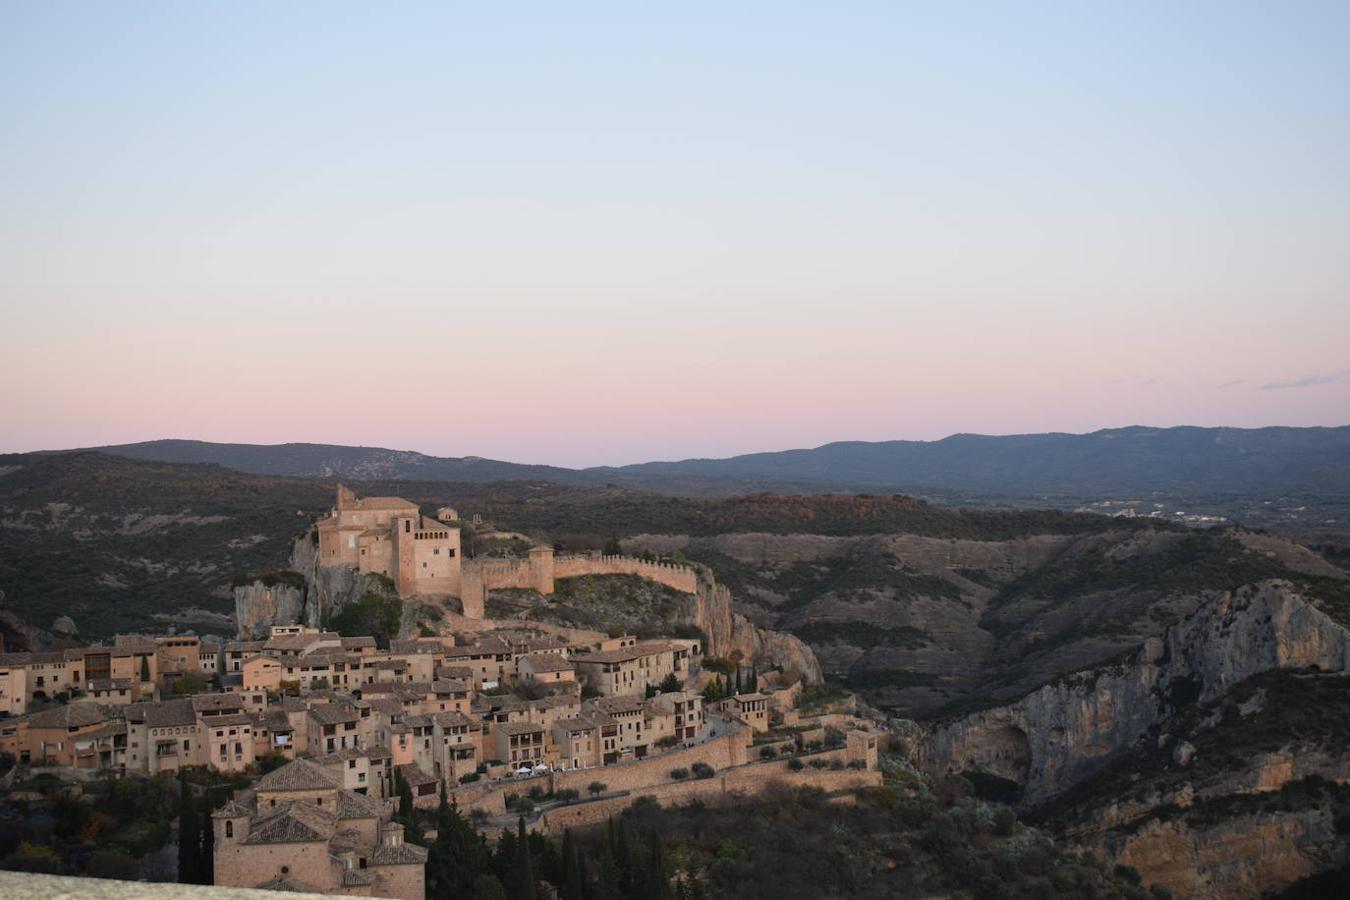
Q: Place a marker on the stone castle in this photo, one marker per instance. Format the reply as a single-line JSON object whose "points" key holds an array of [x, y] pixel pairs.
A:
{"points": [[389, 536]]}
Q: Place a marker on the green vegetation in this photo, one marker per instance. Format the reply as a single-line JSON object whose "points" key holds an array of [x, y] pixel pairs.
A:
{"points": [[111, 541], [372, 614], [106, 833]]}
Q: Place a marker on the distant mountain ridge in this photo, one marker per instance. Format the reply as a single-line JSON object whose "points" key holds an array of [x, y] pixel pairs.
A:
{"points": [[1136, 459]]}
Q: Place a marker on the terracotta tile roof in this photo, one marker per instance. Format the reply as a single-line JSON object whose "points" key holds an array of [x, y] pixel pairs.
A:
{"points": [[333, 713], [399, 855], [298, 775], [295, 823], [413, 774], [547, 662], [170, 713], [351, 805]]}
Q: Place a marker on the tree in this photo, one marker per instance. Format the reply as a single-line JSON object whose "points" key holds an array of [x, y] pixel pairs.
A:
{"points": [[738, 678], [145, 670], [486, 887], [526, 888], [208, 840], [190, 683], [712, 691], [377, 615], [572, 882], [596, 788], [670, 684], [612, 546], [189, 838], [754, 678], [405, 797]]}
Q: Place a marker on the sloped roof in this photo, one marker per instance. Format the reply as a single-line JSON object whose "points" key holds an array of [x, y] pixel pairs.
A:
{"points": [[295, 823], [333, 713], [72, 715], [298, 775], [399, 855], [352, 805], [170, 713]]}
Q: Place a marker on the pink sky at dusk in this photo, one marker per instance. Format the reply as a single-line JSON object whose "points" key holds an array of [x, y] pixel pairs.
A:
{"points": [[595, 238]]}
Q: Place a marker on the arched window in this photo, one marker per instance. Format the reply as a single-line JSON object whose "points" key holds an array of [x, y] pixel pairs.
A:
{"points": [[229, 829]]}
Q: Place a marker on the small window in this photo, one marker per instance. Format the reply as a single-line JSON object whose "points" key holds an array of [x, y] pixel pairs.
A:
{"points": [[229, 829]]}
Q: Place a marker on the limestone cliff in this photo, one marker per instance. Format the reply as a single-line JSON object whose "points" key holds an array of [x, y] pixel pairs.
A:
{"points": [[259, 605], [1063, 732], [315, 591], [778, 647]]}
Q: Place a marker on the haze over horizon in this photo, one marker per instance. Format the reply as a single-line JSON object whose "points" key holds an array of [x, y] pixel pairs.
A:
{"points": [[602, 235]]}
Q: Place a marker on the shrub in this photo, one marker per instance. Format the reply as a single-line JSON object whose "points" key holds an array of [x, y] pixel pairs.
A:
{"points": [[836, 764], [768, 752], [566, 795], [856, 764], [597, 788], [679, 774], [818, 764], [795, 764], [470, 778], [702, 770], [1004, 821]]}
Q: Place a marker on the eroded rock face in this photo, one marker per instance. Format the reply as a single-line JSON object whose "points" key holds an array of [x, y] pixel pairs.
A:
{"points": [[1245, 857], [257, 607], [778, 647], [1076, 725]]}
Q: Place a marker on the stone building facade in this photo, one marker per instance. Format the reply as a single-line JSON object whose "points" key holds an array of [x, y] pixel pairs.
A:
{"points": [[389, 536]]}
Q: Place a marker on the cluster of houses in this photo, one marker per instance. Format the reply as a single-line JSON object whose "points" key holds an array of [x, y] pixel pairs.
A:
{"points": [[350, 718]]}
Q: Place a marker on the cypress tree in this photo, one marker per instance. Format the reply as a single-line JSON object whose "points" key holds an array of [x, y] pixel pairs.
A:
{"points": [[754, 678], [738, 678], [189, 837], [571, 886], [526, 889], [145, 670], [208, 829], [405, 798], [658, 882]]}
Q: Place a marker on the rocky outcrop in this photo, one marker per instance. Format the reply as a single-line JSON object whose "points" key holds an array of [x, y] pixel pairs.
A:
{"points": [[315, 592], [1063, 732], [778, 647], [1246, 856], [258, 606]]}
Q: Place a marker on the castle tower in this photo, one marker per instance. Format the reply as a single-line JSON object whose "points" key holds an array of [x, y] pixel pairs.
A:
{"points": [[541, 569], [405, 555]]}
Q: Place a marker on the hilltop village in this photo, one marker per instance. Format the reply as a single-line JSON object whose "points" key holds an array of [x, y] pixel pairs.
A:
{"points": [[518, 725]]}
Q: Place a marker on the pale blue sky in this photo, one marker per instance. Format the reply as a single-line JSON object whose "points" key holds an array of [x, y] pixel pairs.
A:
{"points": [[605, 233]]}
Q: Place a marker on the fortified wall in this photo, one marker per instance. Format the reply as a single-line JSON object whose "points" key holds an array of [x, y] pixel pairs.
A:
{"points": [[539, 573]]}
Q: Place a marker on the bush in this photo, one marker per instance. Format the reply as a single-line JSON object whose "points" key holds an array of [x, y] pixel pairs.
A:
{"points": [[702, 770], [597, 788], [795, 764], [818, 764], [768, 752], [470, 778], [1004, 821], [566, 795], [856, 764], [679, 774]]}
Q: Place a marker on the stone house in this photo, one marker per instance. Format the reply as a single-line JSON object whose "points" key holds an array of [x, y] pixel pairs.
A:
{"points": [[389, 536], [299, 830]]}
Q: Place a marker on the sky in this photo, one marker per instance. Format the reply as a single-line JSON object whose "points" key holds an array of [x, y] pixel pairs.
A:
{"points": [[600, 233]]}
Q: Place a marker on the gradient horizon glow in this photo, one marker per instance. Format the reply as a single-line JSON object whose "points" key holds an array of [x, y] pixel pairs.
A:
{"points": [[604, 233]]}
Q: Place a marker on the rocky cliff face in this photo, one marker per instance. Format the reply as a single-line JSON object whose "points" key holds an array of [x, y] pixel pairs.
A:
{"points": [[1063, 732], [326, 590], [778, 647], [258, 606], [1243, 858]]}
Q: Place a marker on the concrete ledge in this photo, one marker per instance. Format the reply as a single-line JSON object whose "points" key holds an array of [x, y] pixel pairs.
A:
{"points": [[23, 886]]}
